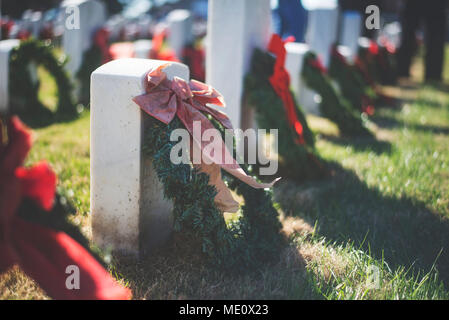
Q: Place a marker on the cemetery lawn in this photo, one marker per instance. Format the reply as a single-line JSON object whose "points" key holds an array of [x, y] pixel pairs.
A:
{"points": [[378, 230]]}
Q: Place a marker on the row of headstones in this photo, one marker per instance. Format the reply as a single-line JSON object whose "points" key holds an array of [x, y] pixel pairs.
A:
{"points": [[92, 15], [75, 42], [129, 212]]}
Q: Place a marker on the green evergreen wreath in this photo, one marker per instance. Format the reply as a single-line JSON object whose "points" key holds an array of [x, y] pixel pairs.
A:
{"points": [[300, 161], [352, 85], [24, 93], [380, 64], [333, 106], [254, 239]]}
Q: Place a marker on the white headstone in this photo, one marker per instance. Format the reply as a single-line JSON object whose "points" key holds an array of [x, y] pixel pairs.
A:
{"points": [[92, 15], [129, 212], [293, 63], [180, 23], [5, 49], [321, 32], [364, 42], [235, 29], [392, 32], [351, 30], [36, 23], [142, 48]]}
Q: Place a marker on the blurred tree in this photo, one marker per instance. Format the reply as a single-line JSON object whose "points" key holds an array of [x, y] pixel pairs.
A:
{"points": [[15, 9], [114, 6]]}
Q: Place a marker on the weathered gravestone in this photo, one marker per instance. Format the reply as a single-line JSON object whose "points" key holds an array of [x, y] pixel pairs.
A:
{"points": [[78, 37], [351, 30], [5, 49], [235, 29], [129, 212], [293, 63], [180, 24], [142, 48]]}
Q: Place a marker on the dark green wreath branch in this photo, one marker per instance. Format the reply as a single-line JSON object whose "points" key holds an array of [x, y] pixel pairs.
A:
{"points": [[254, 239], [333, 106], [351, 83], [300, 161]]}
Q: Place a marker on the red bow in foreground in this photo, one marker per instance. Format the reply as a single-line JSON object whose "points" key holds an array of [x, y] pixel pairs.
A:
{"points": [[166, 99], [42, 253], [280, 81]]}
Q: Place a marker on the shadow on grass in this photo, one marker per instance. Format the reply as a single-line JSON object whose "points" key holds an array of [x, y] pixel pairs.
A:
{"points": [[390, 123], [360, 144], [178, 271], [41, 117], [402, 230]]}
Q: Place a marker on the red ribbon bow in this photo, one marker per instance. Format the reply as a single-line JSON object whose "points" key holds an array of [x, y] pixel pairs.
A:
{"points": [[280, 81], [42, 253], [164, 99]]}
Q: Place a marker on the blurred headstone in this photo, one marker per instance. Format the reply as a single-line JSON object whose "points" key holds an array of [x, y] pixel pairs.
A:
{"points": [[36, 24], [142, 48], [78, 38], [5, 49], [293, 63], [235, 29], [322, 32], [351, 30], [180, 24]]}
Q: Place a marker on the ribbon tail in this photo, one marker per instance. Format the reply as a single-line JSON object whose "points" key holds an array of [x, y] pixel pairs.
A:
{"points": [[222, 157], [224, 200]]}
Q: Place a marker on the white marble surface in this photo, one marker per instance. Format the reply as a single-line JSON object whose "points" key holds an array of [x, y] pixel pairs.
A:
{"points": [[351, 31], [129, 213], [142, 48], [92, 15], [5, 49], [180, 23], [293, 63], [321, 32], [234, 29]]}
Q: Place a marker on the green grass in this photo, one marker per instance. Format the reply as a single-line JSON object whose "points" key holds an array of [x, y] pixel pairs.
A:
{"points": [[386, 209]]}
